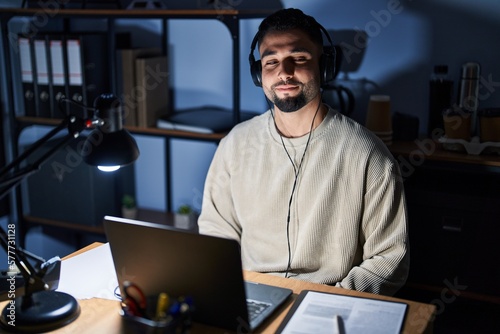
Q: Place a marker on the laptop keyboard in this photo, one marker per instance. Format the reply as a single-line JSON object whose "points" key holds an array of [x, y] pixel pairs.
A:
{"points": [[255, 308]]}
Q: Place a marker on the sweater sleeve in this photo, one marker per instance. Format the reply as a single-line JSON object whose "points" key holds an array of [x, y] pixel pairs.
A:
{"points": [[384, 237], [218, 216]]}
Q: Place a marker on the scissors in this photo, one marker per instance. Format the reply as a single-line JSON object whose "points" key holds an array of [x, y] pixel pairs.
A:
{"points": [[135, 304]]}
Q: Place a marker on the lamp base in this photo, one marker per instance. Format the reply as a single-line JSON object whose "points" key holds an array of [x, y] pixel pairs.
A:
{"points": [[41, 312]]}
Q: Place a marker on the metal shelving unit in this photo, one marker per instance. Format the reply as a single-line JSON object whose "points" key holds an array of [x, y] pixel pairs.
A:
{"points": [[16, 123]]}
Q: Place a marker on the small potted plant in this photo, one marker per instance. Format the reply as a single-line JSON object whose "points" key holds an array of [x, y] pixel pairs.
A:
{"points": [[129, 209], [185, 217]]}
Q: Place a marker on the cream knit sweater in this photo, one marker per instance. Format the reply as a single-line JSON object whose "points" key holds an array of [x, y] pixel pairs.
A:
{"points": [[348, 222]]}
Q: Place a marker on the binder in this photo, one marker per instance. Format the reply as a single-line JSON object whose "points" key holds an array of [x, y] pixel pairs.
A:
{"points": [[58, 75], [75, 69], [88, 72], [27, 78], [152, 89], [126, 69], [41, 52]]}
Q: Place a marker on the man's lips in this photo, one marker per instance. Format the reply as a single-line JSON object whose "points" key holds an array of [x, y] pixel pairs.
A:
{"points": [[286, 88]]}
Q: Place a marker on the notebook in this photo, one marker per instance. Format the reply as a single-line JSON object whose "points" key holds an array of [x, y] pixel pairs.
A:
{"points": [[160, 258], [206, 119]]}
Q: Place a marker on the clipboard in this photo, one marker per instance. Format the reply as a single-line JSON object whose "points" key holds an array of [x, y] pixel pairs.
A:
{"points": [[315, 312]]}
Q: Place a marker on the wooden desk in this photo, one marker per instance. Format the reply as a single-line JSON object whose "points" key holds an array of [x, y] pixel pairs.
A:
{"points": [[101, 315]]}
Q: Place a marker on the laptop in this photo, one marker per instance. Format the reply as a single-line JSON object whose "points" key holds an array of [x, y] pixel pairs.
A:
{"points": [[160, 258]]}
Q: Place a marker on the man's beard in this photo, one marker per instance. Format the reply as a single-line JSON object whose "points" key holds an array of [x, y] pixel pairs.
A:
{"points": [[291, 104]]}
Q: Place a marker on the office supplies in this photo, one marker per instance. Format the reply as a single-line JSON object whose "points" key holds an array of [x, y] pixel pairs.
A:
{"points": [[317, 312], [88, 69], [133, 299], [75, 69], [205, 119], [337, 325], [42, 82], [208, 269], [161, 306], [176, 316], [58, 75], [26, 65], [89, 275]]}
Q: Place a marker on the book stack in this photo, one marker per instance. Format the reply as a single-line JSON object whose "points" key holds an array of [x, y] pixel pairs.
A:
{"points": [[144, 85]]}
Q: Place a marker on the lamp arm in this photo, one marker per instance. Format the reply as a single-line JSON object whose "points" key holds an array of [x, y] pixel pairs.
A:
{"points": [[16, 178], [16, 162], [34, 280], [74, 125]]}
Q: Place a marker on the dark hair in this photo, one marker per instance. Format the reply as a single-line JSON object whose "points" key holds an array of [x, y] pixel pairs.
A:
{"points": [[288, 19]]}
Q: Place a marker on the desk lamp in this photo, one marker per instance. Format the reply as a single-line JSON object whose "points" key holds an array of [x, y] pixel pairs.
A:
{"points": [[108, 146]]}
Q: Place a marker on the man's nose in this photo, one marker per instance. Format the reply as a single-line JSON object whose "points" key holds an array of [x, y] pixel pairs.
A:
{"points": [[286, 70]]}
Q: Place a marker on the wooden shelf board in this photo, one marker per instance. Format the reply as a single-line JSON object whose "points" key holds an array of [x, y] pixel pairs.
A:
{"points": [[138, 13], [429, 149], [134, 129]]}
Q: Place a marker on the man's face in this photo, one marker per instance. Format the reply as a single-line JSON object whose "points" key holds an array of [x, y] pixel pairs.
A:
{"points": [[290, 69]]}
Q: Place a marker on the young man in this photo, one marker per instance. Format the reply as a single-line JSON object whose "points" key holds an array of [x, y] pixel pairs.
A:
{"points": [[308, 193]]}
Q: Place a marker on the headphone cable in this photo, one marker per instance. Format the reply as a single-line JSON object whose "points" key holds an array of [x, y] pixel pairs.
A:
{"points": [[296, 172]]}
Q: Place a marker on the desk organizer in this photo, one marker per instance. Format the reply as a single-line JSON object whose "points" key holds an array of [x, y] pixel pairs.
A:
{"points": [[473, 146], [135, 325], [179, 312]]}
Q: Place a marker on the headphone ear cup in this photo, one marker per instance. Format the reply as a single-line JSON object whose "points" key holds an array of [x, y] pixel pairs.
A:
{"points": [[256, 72], [327, 65]]}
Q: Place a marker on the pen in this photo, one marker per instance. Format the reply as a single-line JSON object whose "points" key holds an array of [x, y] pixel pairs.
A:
{"points": [[337, 325], [161, 306]]}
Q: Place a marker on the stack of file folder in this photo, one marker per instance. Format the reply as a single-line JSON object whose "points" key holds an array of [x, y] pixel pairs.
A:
{"points": [[56, 65]]}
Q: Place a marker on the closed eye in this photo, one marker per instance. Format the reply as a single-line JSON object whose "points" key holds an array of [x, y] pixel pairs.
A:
{"points": [[271, 62], [297, 60], [300, 60]]}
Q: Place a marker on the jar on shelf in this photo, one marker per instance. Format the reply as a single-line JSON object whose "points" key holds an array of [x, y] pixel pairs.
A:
{"points": [[489, 125], [457, 123]]}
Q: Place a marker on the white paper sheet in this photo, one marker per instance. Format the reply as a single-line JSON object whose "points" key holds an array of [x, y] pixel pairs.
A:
{"points": [[323, 313], [89, 275]]}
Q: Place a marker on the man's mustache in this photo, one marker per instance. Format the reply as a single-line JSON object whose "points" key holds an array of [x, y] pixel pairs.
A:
{"points": [[288, 82]]}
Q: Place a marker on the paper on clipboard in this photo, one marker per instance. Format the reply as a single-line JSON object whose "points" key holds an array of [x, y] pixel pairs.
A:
{"points": [[320, 312]]}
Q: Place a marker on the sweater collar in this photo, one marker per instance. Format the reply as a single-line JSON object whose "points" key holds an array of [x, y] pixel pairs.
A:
{"points": [[299, 140]]}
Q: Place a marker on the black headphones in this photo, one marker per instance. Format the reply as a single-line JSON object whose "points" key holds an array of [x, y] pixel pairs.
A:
{"points": [[327, 61]]}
